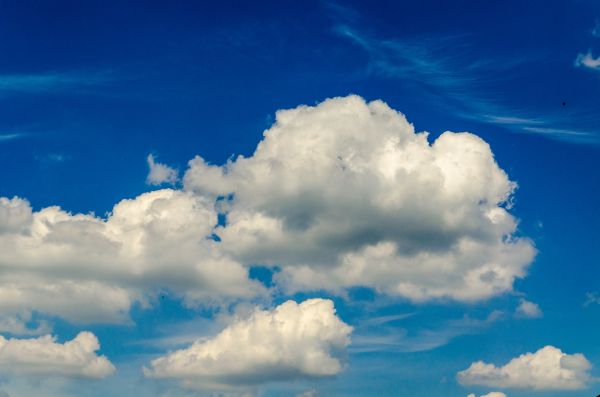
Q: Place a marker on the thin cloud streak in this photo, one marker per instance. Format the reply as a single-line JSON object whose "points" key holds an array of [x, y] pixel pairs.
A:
{"points": [[11, 84], [369, 339], [455, 82]]}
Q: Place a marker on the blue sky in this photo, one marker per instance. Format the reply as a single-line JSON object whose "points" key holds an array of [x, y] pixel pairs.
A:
{"points": [[89, 90]]}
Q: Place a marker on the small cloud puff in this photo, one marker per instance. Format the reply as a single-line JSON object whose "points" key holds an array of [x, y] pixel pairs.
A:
{"points": [[292, 341], [587, 61], [160, 173], [491, 394], [547, 369], [528, 309], [43, 356]]}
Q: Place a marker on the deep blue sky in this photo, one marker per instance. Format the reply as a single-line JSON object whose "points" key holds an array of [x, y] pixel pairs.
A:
{"points": [[89, 89]]}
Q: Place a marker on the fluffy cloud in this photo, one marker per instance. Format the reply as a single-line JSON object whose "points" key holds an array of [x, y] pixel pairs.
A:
{"points": [[160, 173], [588, 61], [341, 194], [491, 394], [44, 356], [346, 193], [88, 269], [305, 340], [547, 369], [528, 309]]}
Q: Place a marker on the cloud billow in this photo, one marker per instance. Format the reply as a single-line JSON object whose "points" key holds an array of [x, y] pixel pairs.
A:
{"points": [[291, 341], [341, 194], [346, 193]]}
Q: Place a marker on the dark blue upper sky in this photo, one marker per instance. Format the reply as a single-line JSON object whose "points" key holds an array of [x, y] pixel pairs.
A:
{"points": [[89, 89]]}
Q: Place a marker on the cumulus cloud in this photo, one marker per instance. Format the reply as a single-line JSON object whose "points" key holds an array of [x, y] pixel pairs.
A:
{"points": [[528, 309], [88, 269], [346, 193], [294, 340], [44, 356], [160, 173], [588, 61], [341, 194], [547, 369]]}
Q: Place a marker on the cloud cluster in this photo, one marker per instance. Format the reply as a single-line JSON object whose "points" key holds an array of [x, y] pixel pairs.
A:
{"points": [[547, 369], [87, 269], [44, 356], [294, 340], [346, 193]]}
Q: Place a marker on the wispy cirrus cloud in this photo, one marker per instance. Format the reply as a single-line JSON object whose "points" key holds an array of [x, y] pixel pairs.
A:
{"points": [[10, 137], [445, 69], [46, 82], [384, 334]]}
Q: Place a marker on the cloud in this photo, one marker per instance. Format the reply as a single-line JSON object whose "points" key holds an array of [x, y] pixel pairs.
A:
{"points": [[592, 298], [21, 324], [587, 61], [44, 356], [160, 173], [307, 393], [446, 71], [378, 334], [528, 309], [547, 369], [491, 394], [88, 269], [423, 221], [291, 341], [11, 84], [346, 193], [10, 137]]}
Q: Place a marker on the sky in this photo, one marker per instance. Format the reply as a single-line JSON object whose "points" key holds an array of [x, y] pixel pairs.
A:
{"points": [[299, 199]]}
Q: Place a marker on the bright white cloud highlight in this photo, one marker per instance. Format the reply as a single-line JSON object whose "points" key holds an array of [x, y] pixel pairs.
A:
{"points": [[88, 269], [588, 61], [160, 173], [44, 356], [294, 340], [346, 193], [528, 309], [491, 394], [547, 369]]}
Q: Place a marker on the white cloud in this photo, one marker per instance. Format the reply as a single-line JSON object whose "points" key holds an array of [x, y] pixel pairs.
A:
{"points": [[88, 269], [305, 340], [491, 394], [346, 193], [588, 61], [528, 309], [44, 356], [307, 393], [23, 324], [337, 195], [160, 173], [547, 369]]}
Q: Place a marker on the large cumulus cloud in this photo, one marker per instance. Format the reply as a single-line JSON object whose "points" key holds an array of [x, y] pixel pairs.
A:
{"points": [[292, 341], [346, 193], [341, 194]]}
